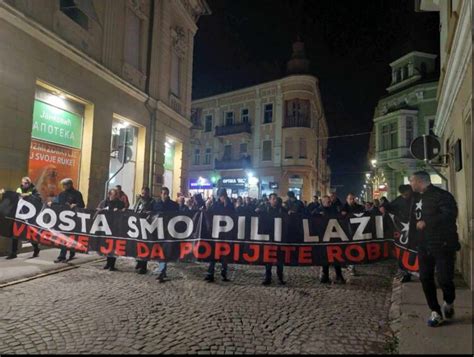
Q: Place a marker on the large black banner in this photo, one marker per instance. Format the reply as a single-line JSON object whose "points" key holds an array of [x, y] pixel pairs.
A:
{"points": [[200, 236]]}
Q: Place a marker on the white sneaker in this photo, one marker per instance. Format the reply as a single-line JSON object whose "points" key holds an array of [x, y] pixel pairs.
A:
{"points": [[447, 310], [435, 320]]}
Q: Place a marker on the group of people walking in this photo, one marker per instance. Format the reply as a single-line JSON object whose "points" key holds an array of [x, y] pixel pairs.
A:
{"points": [[431, 211]]}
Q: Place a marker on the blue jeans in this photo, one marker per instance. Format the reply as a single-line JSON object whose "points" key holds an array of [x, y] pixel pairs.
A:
{"points": [[212, 268], [161, 269]]}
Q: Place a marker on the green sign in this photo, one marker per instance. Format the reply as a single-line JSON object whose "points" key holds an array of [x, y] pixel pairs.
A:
{"points": [[169, 156], [57, 126]]}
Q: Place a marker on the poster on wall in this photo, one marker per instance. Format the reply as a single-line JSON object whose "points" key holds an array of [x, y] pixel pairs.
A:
{"points": [[49, 164]]}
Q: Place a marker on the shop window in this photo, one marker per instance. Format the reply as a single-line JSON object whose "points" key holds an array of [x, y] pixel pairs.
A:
{"points": [[267, 150], [197, 159], [56, 143], [288, 148], [123, 156], [244, 116], [208, 123], [229, 118], [207, 157], [268, 113], [71, 9], [132, 48], [303, 154]]}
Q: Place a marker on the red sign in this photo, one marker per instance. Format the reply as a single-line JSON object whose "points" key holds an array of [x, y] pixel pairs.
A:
{"points": [[49, 164]]}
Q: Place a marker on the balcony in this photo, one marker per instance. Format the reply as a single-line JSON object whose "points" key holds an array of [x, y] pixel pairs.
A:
{"points": [[297, 122], [233, 129], [243, 163]]}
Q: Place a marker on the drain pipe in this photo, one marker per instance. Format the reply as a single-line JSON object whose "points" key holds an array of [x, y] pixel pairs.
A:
{"points": [[150, 109]]}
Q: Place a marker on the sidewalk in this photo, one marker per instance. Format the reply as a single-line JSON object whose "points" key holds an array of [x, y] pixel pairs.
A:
{"points": [[415, 337], [24, 267]]}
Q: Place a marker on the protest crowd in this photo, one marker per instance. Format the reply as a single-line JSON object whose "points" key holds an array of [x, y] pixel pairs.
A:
{"points": [[432, 210]]}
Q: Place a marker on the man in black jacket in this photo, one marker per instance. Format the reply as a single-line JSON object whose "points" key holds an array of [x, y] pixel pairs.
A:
{"points": [[351, 207], [435, 214], [71, 198], [143, 205], [165, 205], [222, 207], [274, 210], [401, 207]]}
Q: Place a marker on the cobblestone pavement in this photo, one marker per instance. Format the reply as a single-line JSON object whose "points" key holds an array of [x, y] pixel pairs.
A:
{"points": [[90, 310]]}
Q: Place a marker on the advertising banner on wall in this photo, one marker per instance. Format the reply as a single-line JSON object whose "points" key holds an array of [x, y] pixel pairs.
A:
{"points": [[55, 150], [49, 164]]}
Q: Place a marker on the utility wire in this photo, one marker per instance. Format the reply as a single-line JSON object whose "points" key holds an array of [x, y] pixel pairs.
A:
{"points": [[344, 136]]}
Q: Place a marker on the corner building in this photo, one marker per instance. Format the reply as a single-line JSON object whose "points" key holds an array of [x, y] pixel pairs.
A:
{"points": [[96, 90], [271, 137]]}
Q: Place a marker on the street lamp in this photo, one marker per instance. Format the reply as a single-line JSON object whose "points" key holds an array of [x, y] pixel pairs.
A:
{"points": [[373, 162]]}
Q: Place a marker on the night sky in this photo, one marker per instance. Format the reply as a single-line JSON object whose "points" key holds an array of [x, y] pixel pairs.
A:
{"points": [[349, 43]]}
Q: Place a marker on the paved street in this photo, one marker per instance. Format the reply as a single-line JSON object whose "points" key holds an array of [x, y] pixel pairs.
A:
{"points": [[92, 310]]}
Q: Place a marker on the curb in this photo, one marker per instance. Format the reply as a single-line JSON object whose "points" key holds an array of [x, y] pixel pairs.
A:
{"points": [[395, 314], [51, 272]]}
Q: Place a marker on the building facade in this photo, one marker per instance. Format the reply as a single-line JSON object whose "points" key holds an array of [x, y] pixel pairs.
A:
{"points": [[407, 111], [453, 121], [271, 137], [99, 91]]}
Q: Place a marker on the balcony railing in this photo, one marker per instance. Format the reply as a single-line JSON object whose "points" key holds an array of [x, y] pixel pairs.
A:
{"points": [[224, 164], [297, 122], [233, 129]]}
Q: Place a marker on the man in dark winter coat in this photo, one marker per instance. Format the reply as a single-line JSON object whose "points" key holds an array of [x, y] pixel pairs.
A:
{"points": [[274, 210], [166, 204], [401, 207], [435, 214], [143, 205], [26, 189], [71, 198], [223, 206]]}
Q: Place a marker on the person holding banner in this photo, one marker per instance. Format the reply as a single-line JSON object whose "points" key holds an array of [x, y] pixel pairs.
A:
{"points": [[164, 205], [27, 188], [112, 203], [144, 205], [71, 198], [435, 213], [351, 207], [274, 210], [401, 207], [327, 209], [224, 207]]}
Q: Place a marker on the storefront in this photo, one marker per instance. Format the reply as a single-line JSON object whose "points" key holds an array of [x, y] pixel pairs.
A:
{"points": [[235, 186], [201, 185], [56, 142], [268, 185]]}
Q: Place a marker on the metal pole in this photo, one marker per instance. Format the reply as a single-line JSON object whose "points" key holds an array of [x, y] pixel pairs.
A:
{"points": [[121, 167]]}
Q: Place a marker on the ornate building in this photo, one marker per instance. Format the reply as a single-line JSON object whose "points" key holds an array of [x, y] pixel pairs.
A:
{"points": [[271, 137], [453, 120], [407, 111], [96, 90]]}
